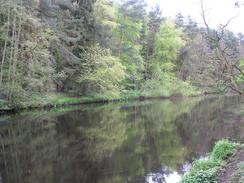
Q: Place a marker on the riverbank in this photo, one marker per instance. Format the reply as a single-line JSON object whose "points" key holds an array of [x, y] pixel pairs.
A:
{"points": [[51, 101], [225, 164], [62, 100], [233, 171]]}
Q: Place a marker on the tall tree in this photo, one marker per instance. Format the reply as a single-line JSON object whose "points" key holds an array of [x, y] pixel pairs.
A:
{"points": [[163, 73], [223, 53], [179, 20], [27, 66], [130, 18], [148, 50], [105, 16]]}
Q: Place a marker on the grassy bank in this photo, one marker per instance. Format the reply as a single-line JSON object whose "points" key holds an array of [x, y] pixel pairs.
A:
{"points": [[58, 100], [207, 170], [49, 101]]}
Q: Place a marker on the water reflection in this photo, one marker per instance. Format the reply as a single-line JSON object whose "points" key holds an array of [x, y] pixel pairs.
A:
{"points": [[152, 141], [161, 177]]}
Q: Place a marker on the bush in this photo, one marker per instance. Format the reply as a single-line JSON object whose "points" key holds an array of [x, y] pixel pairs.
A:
{"points": [[202, 171], [202, 176], [2, 103], [205, 171], [223, 149], [101, 73], [167, 86], [205, 164]]}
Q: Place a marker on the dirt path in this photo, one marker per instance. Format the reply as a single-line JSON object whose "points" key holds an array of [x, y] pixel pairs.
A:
{"points": [[233, 171]]}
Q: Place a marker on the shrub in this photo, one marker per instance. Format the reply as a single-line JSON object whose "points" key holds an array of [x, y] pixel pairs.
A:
{"points": [[2, 103], [223, 149], [101, 73], [202, 176], [205, 164], [202, 171], [205, 171]]}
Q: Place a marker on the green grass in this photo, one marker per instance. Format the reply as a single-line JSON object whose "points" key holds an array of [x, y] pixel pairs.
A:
{"points": [[56, 100], [205, 171], [223, 149], [130, 94], [52, 100]]}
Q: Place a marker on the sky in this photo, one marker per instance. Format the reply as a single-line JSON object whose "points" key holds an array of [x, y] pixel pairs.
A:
{"points": [[217, 11]]}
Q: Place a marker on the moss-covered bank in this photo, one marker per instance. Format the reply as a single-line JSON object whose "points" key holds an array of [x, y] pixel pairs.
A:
{"points": [[210, 170]]}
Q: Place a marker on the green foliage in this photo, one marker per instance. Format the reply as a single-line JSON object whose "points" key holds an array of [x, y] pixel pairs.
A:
{"points": [[36, 70], [163, 80], [26, 62], [240, 78], [168, 43], [96, 49], [130, 94], [105, 15], [207, 176], [101, 73], [223, 149], [3, 104], [205, 164], [127, 46], [205, 171]]}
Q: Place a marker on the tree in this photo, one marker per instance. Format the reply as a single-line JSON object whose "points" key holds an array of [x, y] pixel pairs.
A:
{"points": [[148, 50], [74, 24], [105, 16], [179, 20], [163, 80], [101, 73], [168, 43], [223, 53], [198, 66], [130, 17]]}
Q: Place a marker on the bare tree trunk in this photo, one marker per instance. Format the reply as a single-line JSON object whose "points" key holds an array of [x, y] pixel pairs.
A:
{"points": [[11, 54], [4, 49], [221, 53], [120, 43], [229, 68], [16, 49]]}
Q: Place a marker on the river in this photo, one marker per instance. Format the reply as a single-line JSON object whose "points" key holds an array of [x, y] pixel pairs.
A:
{"points": [[154, 141]]}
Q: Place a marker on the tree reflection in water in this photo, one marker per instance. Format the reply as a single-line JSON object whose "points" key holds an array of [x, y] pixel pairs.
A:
{"points": [[151, 141]]}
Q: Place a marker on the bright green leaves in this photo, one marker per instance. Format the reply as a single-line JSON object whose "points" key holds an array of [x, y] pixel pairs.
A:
{"points": [[167, 46], [128, 44], [168, 43], [205, 171], [101, 73], [91, 48], [163, 80], [223, 149]]}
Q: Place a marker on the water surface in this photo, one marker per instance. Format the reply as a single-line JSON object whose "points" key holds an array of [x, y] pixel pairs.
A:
{"points": [[133, 142]]}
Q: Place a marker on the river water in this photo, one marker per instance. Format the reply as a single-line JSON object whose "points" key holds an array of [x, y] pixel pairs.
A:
{"points": [[153, 141]]}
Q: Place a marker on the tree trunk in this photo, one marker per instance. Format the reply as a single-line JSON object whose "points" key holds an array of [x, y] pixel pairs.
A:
{"points": [[4, 49], [11, 54], [16, 47]]}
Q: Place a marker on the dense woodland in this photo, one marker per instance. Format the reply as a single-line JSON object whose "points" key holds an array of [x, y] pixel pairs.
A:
{"points": [[112, 49]]}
